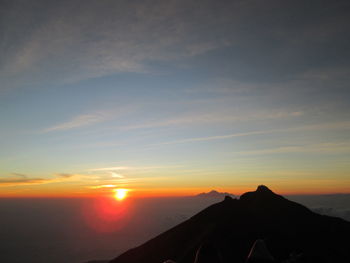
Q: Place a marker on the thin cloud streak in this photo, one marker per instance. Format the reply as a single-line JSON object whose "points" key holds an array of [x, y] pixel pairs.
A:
{"points": [[323, 126], [108, 169], [88, 119], [322, 148], [128, 182], [118, 168], [21, 179], [64, 175], [77, 122], [218, 137], [27, 181], [115, 175], [102, 186], [219, 117]]}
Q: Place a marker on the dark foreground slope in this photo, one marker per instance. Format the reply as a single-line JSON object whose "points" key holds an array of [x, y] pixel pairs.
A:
{"points": [[231, 227]]}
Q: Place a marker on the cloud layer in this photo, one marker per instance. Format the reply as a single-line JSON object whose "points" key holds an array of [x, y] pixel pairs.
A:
{"points": [[75, 40]]}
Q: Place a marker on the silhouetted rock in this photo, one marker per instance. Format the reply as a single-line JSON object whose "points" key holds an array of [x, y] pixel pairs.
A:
{"points": [[207, 253], [259, 253], [232, 226], [228, 198]]}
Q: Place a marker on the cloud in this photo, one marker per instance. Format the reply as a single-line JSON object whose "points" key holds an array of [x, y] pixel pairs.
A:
{"points": [[322, 148], [64, 175], [78, 41], [102, 39], [127, 182], [24, 181], [20, 175], [77, 122], [21, 179], [321, 126], [113, 168], [218, 137], [115, 175], [338, 125], [108, 175], [102, 186], [91, 118], [119, 168], [216, 117]]}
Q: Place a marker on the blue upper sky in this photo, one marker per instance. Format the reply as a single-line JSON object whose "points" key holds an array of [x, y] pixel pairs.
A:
{"points": [[174, 94]]}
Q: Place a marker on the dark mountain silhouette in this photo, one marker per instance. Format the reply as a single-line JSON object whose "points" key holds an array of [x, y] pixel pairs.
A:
{"points": [[259, 224], [214, 194]]}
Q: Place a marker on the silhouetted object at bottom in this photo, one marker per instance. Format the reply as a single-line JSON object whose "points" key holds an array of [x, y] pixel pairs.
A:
{"points": [[259, 253], [207, 253]]}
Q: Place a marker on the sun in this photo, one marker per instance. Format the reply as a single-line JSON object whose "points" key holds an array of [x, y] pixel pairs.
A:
{"points": [[120, 193]]}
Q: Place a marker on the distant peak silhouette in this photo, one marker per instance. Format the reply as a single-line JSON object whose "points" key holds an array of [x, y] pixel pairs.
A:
{"points": [[215, 194]]}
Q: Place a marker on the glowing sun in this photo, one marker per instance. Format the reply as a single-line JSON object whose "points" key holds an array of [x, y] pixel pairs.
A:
{"points": [[120, 193]]}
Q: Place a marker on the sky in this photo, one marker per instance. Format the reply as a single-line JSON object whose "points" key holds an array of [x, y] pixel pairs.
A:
{"points": [[173, 97]]}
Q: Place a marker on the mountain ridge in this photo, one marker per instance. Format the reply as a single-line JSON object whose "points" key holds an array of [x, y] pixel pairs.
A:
{"points": [[233, 225]]}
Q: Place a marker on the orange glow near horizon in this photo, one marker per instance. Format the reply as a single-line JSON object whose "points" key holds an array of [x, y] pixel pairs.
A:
{"points": [[120, 194], [105, 215]]}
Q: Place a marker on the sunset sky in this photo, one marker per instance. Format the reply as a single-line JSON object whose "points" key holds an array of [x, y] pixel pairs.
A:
{"points": [[174, 97]]}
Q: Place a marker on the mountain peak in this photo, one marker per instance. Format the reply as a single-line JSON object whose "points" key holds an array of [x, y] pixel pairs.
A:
{"points": [[262, 193], [263, 189], [225, 231]]}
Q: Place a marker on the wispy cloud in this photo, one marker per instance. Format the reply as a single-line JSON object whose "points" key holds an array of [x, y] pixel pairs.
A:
{"points": [[26, 181], [102, 186], [19, 175], [127, 182], [322, 148], [91, 118], [78, 121], [216, 117], [112, 168], [85, 47], [218, 137], [321, 126], [64, 175], [339, 125], [22, 179], [105, 38], [115, 175], [120, 168]]}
